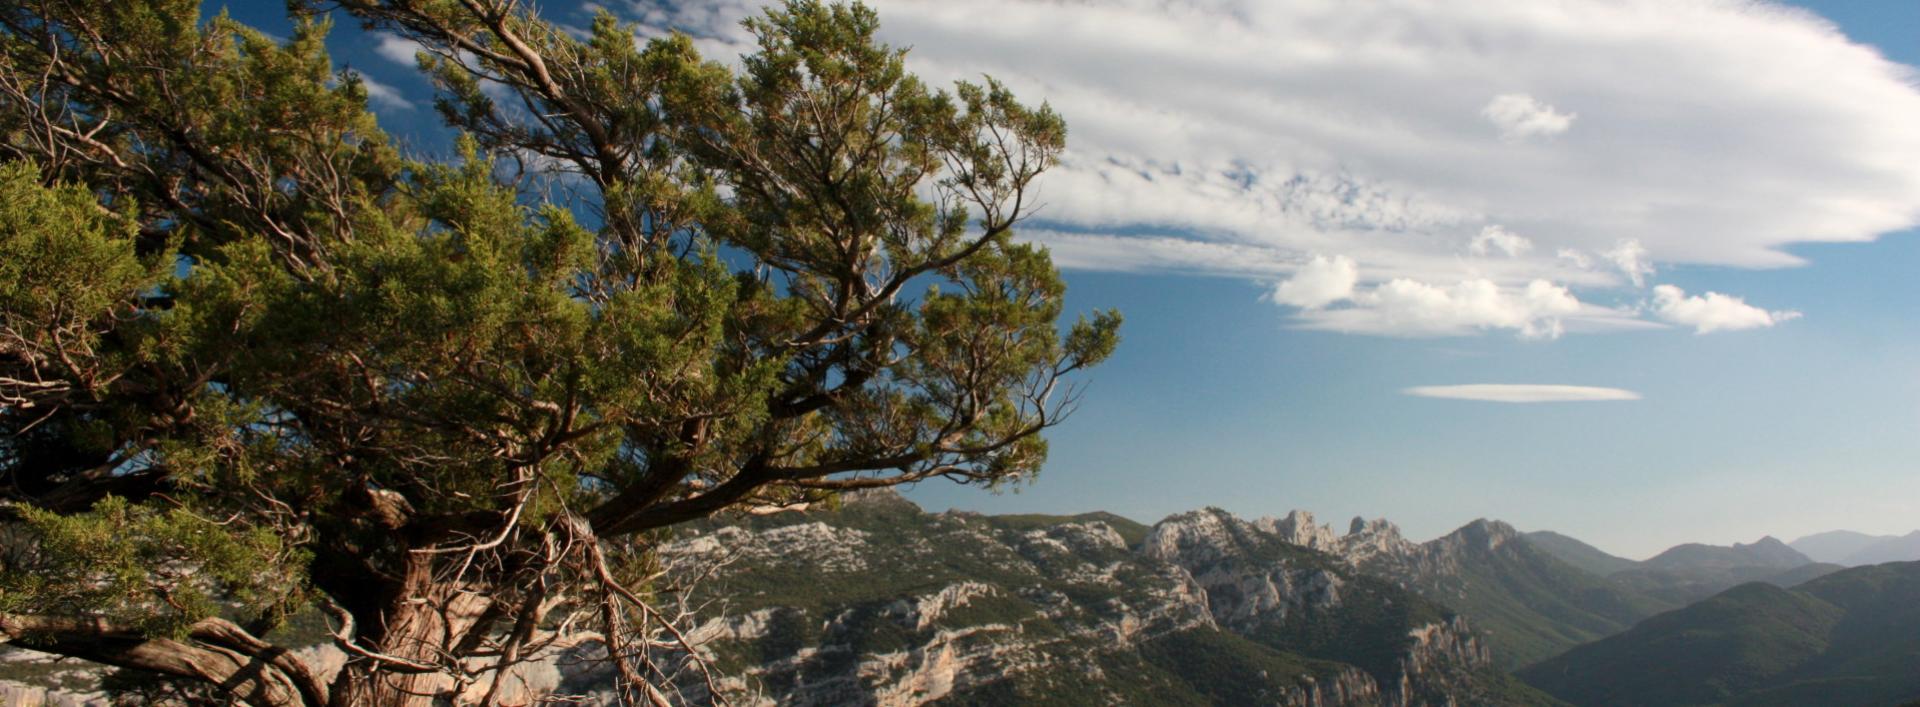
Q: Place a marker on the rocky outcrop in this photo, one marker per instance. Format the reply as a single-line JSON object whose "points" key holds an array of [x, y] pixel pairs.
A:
{"points": [[1363, 541], [1243, 591], [1299, 529], [1262, 583], [1350, 687], [960, 605]]}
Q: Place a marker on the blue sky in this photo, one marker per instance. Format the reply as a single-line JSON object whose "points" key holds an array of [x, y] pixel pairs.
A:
{"points": [[1305, 209]]}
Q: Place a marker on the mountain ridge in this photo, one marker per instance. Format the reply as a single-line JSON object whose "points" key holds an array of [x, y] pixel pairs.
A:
{"points": [[1037, 609], [1898, 548], [1850, 637]]}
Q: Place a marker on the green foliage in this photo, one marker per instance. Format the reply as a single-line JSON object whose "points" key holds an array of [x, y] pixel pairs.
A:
{"points": [[1227, 669], [404, 383], [159, 571], [67, 265]]}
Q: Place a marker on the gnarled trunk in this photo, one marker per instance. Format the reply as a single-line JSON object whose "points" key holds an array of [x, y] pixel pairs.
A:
{"points": [[417, 634]]}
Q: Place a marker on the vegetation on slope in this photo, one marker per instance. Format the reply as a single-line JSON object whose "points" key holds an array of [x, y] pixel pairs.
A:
{"points": [[1530, 604], [1579, 554], [1852, 637]]}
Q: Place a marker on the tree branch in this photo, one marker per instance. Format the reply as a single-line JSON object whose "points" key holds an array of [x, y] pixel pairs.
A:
{"points": [[215, 651]]}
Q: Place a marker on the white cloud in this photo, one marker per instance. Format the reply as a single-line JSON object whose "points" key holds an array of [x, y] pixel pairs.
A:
{"points": [[1404, 307], [1494, 238], [1713, 311], [1519, 117], [396, 49], [1322, 281], [1574, 257], [381, 94], [1239, 137], [1521, 393], [1631, 258]]}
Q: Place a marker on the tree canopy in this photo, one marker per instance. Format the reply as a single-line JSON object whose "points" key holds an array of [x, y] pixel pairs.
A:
{"points": [[256, 360]]}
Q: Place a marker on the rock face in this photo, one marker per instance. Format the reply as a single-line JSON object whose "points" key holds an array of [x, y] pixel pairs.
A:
{"points": [[1298, 529], [959, 609], [1292, 597]]}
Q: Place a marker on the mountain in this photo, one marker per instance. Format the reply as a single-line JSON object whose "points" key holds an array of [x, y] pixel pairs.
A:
{"points": [[1691, 572], [1845, 547], [881, 602], [1767, 552], [1292, 597], [1528, 602], [1905, 548], [1836, 545], [1851, 637], [1579, 554]]}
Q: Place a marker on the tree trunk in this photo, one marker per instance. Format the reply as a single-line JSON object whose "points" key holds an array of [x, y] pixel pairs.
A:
{"points": [[421, 626]]}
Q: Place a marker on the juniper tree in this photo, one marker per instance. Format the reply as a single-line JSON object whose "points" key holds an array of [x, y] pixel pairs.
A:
{"points": [[255, 361]]}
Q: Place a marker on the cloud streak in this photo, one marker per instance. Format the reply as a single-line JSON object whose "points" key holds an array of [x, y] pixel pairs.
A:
{"points": [[1521, 393]]}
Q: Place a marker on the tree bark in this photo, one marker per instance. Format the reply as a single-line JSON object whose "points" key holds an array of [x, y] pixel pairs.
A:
{"points": [[421, 626], [215, 651]]}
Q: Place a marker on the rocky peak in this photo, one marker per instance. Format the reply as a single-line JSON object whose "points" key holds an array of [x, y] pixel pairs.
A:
{"points": [[1366, 539], [1084, 537], [1299, 529], [1194, 536], [1490, 534], [1770, 550], [1378, 528], [877, 498]]}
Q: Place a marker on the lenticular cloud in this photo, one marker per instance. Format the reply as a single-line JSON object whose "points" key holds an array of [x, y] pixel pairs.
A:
{"points": [[1522, 393]]}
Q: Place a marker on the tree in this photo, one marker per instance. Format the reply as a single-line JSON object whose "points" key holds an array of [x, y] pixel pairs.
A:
{"points": [[253, 360]]}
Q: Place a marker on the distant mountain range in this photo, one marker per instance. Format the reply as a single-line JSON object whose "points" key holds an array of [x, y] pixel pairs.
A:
{"points": [[1691, 572], [1849, 638], [1851, 549]]}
